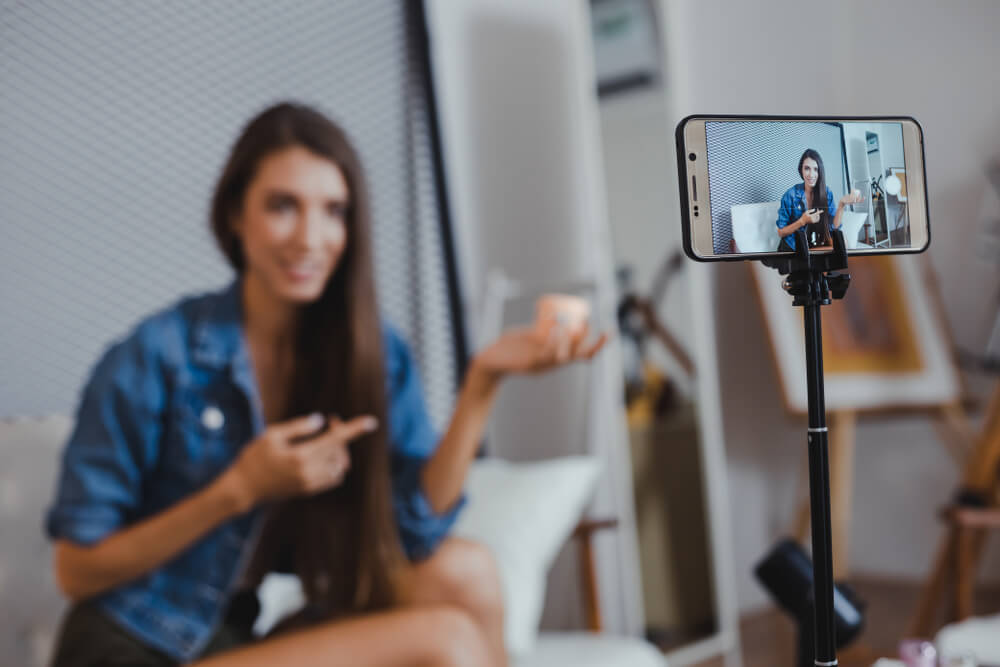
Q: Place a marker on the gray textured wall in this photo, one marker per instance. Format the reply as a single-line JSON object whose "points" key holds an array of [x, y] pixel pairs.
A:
{"points": [[750, 163], [115, 119]]}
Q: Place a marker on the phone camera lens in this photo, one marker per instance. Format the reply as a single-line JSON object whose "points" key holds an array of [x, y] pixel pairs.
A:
{"points": [[692, 156]]}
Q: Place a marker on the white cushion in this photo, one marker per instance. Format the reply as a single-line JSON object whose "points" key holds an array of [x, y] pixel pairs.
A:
{"points": [[979, 637], [754, 228], [850, 224], [584, 649], [524, 512], [32, 606]]}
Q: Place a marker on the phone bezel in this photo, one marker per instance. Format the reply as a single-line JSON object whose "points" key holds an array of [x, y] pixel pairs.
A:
{"points": [[697, 230]]}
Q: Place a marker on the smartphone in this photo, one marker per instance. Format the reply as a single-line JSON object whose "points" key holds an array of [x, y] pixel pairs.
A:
{"points": [[746, 181]]}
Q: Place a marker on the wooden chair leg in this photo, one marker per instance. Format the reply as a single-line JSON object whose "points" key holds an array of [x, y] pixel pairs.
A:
{"points": [[588, 569], [591, 603], [965, 574], [983, 464], [922, 623]]}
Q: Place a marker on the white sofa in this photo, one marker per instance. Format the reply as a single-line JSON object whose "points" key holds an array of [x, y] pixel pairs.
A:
{"points": [[31, 606], [754, 228]]}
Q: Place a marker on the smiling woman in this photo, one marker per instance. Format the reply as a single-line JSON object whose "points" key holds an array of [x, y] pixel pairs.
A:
{"points": [[810, 204], [208, 449], [294, 238]]}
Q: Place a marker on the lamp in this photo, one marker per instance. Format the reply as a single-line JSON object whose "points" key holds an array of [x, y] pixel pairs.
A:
{"points": [[787, 574], [893, 185]]}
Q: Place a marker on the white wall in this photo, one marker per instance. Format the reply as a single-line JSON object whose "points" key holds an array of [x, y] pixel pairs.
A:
{"points": [[641, 170], [936, 63], [857, 156], [519, 123]]}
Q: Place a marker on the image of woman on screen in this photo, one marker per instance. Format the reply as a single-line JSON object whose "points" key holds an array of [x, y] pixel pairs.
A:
{"points": [[805, 203]]}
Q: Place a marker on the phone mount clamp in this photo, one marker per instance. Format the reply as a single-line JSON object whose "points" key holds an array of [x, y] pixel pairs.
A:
{"points": [[813, 283]]}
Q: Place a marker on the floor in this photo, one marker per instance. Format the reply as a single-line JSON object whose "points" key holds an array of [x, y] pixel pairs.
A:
{"points": [[768, 637]]}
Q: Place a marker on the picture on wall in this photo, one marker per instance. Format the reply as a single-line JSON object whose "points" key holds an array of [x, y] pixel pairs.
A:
{"points": [[873, 330], [626, 41], [885, 345]]}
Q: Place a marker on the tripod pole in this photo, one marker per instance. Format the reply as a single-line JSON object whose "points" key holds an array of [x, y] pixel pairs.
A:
{"points": [[819, 488], [813, 284]]}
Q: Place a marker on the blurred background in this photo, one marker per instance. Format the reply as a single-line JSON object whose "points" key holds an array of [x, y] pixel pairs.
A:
{"points": [[516, 148]]}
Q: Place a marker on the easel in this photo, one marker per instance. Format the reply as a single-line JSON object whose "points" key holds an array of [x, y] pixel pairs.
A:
{"points": [[975, 510], [949, 421]]}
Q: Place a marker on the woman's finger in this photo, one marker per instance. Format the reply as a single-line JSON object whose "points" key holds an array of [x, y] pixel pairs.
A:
{"points": [[337, 437], [589, 352], [354, 428], [578, 340], [300, 428]]}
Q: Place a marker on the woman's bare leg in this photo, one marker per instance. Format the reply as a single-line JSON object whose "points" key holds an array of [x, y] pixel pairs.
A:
{"points": [[464, 574], [438, 636]]}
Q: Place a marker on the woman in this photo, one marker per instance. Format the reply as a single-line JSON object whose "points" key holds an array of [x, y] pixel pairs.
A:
{"points": [[804, 203], [199, 460]]}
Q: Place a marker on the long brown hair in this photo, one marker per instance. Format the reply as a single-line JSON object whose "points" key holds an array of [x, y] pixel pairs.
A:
{"points": [[819, 190], [343, 542]]}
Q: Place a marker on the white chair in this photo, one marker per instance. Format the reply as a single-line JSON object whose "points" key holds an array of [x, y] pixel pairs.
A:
{"points": [[754, 228], [850, 224]]}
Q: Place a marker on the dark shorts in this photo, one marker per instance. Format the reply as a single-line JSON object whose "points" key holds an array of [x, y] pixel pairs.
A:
{"points": [[88, 638]]}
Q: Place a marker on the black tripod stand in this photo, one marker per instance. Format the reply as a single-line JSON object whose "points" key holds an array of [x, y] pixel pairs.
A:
{"points": [[813, 284]]}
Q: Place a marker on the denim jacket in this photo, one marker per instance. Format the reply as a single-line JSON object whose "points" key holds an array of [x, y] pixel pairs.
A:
{"points": [[793, 205], [164, 412]]}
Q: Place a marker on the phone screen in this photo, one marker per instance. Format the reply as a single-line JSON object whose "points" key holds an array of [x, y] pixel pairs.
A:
{"points": [[768, 178]]}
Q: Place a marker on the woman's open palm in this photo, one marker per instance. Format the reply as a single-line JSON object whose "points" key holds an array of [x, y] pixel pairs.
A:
{"points": [[530, 350]]}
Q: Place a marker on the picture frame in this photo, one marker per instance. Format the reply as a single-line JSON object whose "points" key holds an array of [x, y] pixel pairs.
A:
{"points": [[900, 173], [626, 44], [885, 345]]}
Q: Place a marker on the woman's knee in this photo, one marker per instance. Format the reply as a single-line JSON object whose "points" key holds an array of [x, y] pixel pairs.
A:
{"points": [[456, 639], [466, 574]]}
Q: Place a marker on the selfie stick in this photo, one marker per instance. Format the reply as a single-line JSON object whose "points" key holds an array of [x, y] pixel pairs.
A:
{"points": [[812, 284]]}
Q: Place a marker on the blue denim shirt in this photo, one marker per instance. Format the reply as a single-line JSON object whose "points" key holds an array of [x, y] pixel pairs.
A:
{"points": [[793, 205], [148, 433]]}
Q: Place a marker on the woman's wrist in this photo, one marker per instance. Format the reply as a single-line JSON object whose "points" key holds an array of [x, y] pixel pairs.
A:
{"points": [[233, 493], [482, 380]]}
